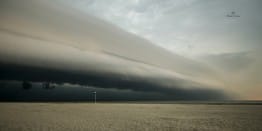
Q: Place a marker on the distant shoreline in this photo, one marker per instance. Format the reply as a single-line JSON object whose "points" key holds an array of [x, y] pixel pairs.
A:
{"points": [[236, 102]]}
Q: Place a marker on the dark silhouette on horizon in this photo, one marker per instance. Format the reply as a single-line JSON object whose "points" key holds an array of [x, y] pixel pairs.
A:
{"points": [[47, 85], [26, 85]]}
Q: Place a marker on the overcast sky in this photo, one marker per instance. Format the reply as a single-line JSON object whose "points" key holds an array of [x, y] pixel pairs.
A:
{"points": [[189, 48], [187, 27]]}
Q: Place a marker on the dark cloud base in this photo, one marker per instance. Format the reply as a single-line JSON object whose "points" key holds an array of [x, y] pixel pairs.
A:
{"points": [[110, 86]]}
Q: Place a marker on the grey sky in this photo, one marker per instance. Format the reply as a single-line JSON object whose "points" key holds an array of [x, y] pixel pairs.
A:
{"points": [[186, 27]]}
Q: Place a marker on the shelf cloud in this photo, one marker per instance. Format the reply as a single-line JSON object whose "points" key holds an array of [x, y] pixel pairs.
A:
{"points": [[50, 41]]}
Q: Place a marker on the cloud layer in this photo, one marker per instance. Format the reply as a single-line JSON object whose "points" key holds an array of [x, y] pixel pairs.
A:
{"points": [[52, 41]]}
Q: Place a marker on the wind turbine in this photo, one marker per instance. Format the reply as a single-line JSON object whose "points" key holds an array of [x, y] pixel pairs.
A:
{"points": [[94, 96]]}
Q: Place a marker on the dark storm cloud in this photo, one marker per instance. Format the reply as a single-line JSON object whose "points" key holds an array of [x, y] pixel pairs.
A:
{"points": [[12, 91], [112, 81]]}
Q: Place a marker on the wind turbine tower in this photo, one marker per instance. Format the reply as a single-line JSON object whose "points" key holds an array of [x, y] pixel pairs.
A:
{"points": [[94, 96]]}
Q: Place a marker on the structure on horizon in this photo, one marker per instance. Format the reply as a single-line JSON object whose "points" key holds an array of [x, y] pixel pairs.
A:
{"points": [[94, 96]]}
